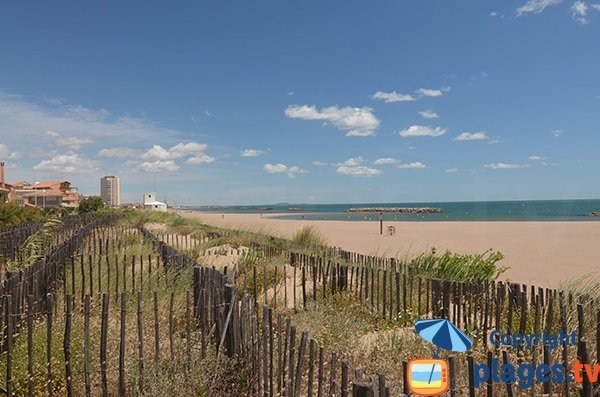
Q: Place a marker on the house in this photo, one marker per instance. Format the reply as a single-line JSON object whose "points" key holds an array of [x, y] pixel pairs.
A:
{"points": [[151, 204], [40, 194], [52, 194]]}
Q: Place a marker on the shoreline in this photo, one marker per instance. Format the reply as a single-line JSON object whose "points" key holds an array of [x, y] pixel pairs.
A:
{"points": [[372, 216], [540, 253]]}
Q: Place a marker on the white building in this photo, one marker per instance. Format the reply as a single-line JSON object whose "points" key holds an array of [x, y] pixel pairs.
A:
{"points": [[151, 204], [110, 191]]}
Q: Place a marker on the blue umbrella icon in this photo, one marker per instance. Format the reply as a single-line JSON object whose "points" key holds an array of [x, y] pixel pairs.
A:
{"points": [[442, 333], [445, 335]]}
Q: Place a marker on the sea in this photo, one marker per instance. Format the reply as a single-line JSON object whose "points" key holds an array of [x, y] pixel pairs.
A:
{"points": [[533, 210]]}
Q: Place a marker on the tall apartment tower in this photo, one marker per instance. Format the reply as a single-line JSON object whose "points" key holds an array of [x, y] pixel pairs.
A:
{"points": [[110, 190]]}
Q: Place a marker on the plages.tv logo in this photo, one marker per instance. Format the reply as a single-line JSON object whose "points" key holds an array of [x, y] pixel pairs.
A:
{"points": [[429, 376]]}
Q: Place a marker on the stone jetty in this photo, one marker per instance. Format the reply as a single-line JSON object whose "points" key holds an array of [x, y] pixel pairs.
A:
{"points": [[594, 213], [408, 210]]}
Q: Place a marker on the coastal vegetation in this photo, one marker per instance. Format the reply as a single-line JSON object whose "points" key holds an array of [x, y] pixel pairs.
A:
{"points": [[91, 204], [347, 303], [36, 245], [309, 237], [12, 214], [459, 267]]}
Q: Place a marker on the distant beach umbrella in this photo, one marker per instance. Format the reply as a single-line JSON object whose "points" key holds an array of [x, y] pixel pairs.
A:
{"points": [[442, 333]]}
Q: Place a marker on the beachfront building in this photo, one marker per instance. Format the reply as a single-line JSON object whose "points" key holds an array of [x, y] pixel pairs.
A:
{"points": [[110, 191], [40, 194], [151, 204], [52, 194]]}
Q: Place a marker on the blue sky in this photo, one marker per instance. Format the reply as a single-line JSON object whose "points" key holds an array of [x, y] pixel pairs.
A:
{"points": [[247, 102]]}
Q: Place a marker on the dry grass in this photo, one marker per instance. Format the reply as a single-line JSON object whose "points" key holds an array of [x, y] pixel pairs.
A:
{"points": [[308, 238]]}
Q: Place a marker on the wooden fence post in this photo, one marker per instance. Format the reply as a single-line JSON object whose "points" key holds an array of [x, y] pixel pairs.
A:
{"points": [[452, 374], [30, 314], [103, 343], [67, 344], [122, 389], [50, 316], [86, 344], [9, 337], [140, 324]]}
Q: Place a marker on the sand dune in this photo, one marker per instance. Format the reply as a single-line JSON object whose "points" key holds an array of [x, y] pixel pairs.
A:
{"points": [[538, 253]]}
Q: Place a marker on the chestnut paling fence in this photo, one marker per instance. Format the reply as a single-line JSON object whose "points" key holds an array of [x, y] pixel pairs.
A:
{"points": [[12, 237], [81, 280]]}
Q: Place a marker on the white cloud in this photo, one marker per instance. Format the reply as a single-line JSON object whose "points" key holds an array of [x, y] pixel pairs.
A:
{"points": [[595, 6], [413, 165], [451, 170], [275, 168], [579, 12], [428, 114], [26, 119], [200, 159], [386, 161], [537, 158], [556, 132], [52, 134], [118, 152], [472, 136], [157, 152], [158, 166], [283, 169], [431, 92], [353, 161], [495, 141], [422, 130], [296, 170], [355, 121], [361, 170], [319, 163], [535, 6], [73, 142], [69, 163], [252, 153], [390, 97], [505, 166], [6, 153], [182, 149]]}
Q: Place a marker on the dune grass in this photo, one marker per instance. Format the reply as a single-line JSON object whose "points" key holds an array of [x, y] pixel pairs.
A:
{"points": [[308, 237], [458, 267]]}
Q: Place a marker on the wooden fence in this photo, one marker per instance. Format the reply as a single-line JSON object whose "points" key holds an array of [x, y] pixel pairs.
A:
{"points": [[40, 279], [392, 291], [281, 359], [12, 237]]}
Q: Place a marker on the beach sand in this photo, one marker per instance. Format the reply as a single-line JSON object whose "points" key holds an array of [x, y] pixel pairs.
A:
{"points": [[538, 253]]}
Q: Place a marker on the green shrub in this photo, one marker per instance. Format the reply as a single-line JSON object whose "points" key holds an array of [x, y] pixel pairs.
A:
{"points": [[11, 214], [458, 267], [90, 205]]}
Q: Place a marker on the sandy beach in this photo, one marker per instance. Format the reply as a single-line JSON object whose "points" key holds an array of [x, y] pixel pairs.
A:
{"points": [[538, 253]]}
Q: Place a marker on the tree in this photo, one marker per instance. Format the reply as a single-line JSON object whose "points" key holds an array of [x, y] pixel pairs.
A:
{"points": [[90, 205]]}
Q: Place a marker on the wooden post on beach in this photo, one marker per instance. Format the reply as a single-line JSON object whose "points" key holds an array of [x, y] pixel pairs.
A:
{"points": [[381, 223], [471, 368]]}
